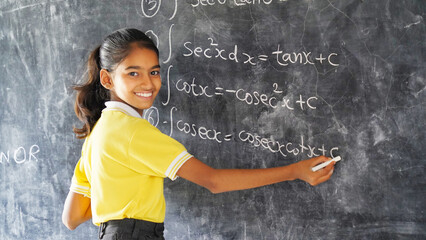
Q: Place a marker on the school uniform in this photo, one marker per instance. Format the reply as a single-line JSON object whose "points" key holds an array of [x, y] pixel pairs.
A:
{"points": [[122, 167]]}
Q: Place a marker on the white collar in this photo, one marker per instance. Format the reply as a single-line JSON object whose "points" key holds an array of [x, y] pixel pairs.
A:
{"points": [[122, 107]]}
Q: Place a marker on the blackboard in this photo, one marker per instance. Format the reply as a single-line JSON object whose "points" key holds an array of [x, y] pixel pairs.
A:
{"points": [[246, 84]]}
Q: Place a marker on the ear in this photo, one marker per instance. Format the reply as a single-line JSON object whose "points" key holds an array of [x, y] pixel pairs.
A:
{"points": [[106, 79]]}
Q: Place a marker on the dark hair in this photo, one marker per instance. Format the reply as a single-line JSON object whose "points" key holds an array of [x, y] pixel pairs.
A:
{"points": [[91, 95]]}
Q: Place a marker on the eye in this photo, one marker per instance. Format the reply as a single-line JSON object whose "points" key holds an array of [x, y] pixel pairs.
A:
{"points": [[155, 73], [133, 74]]}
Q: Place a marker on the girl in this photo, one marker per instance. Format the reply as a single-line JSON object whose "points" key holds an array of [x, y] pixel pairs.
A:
{"points": [[118, 181]]}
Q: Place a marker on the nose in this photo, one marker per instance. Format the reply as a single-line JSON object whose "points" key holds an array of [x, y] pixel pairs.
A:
{"points": [[146, 82]]}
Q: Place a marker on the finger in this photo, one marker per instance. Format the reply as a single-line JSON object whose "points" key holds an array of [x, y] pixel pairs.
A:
{"points": [[325, 177], [325, 173], [329, 167]]}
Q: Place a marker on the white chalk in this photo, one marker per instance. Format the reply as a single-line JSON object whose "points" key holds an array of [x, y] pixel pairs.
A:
{"points": [[324, 164]]}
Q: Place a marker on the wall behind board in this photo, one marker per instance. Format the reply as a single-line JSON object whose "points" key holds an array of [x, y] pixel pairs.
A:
{"points": [[246, 84]]}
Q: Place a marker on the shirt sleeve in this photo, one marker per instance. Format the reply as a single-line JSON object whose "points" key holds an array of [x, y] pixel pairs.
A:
{"points": [[79, 182], [152, 152]]}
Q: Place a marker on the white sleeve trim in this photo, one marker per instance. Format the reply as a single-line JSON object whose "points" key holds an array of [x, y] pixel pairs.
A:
{"points": [[176, 164], [80, 189]]}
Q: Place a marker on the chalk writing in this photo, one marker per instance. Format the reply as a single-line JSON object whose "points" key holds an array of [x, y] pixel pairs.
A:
{"points": [[202, 132], [282, 58], [152, 116], [249, 97], [284, 149], [209, 134], [155, 38], [168, 86], [20, 155], [208, 2], [252, 2], [150, 8], [152, 34], [236, 2], [170, 44]]}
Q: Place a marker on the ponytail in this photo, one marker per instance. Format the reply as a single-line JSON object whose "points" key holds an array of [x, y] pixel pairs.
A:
{"points": [[91, 96]]}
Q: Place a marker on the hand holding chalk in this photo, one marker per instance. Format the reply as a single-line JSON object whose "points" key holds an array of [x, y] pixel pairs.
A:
{"points": [[302, 170], [324, 164]]}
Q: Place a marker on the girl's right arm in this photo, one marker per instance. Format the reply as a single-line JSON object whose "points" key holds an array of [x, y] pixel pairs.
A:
{"points": [[77, 210], [224, 180]]}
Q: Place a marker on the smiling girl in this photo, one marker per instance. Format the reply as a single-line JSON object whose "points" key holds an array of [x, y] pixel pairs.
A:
{"points": [[118, 181]]}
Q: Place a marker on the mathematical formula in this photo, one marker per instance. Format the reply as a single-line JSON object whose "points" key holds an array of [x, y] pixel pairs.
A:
{"points": [[279, 56], [285, 148], [234, 53], [282, 58], [150, 8], [255, 98], [198, 3]]}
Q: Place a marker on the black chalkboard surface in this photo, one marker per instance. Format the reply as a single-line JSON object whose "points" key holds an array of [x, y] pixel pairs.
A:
{"points": [[246, 84]]}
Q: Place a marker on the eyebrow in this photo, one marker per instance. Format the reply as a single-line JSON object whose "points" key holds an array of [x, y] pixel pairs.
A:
{"points": [[138, 67]]}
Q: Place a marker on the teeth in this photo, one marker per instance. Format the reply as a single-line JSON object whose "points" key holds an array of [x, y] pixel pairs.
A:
{"points": [[144, 94]]}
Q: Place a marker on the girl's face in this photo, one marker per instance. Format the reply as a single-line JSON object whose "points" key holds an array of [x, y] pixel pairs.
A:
{"points": [[136, 80]]}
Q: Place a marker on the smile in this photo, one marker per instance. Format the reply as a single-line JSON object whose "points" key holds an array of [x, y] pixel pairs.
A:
{"points": [[144, 94]]}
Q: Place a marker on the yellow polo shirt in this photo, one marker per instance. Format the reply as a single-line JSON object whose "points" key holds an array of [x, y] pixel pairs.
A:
{"points": [[123, 163]]}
